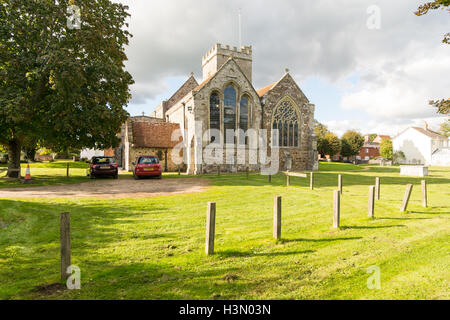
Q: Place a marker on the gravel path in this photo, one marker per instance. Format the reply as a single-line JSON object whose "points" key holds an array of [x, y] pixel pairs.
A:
{"points": [[110, 188]]}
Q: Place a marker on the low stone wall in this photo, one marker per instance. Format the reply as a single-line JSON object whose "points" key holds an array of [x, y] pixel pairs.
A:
{"points": [[414, 171]]}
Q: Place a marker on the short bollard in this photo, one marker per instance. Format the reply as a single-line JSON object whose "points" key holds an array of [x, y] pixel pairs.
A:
{"points": [[277, 218], [218, 170], [336, 208], [372, 202], [340, 183], [270, 178], [406, 197], [288, 180], [424, 194], [210, 227], [247, 172], [179, 170], [68, 168], [65, 244], [311, 181]]}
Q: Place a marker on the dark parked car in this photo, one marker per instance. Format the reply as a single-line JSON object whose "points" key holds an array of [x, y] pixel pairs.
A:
{"points": [[103, 167], [147, 166]]}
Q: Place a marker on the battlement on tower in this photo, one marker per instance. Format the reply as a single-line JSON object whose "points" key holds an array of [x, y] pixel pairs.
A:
{"points": [[219, 54]]}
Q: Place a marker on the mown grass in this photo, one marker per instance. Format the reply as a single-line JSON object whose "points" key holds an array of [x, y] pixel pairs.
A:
{"points": [[154, 248]]}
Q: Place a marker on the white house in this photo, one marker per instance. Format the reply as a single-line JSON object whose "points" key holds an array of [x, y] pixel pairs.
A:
{"points": [[90, 153], [423, 146]]}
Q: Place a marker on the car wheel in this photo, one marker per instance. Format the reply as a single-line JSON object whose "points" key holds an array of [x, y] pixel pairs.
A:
{"points": [[136, 177], [160, 177]]}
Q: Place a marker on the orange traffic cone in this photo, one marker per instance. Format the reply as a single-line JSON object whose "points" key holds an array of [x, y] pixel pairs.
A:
{"points": [[28, 176]]}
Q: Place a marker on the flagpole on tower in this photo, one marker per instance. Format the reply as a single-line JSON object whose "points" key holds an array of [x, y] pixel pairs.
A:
{"points": [[240, 29]]}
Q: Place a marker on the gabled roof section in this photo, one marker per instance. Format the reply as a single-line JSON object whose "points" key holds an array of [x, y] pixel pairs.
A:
{"points": [[262, 92], [266, 90], [431, 134], [187, 87], [230, 60]]}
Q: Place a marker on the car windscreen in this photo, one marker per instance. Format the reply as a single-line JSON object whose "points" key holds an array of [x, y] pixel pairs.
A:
{"points": [[103, 160], [148, 160]]}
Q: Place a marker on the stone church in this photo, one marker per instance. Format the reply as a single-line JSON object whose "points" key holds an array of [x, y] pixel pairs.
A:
{"points": [[226, 100]]}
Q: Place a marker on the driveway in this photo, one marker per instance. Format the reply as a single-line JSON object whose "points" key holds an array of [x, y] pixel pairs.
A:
{"points": [[110, 188]]}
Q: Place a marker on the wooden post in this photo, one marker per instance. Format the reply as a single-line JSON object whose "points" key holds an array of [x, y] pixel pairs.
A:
{"points": [[311, 181], [210, 227], [218, 170], [270, 178], [371, 202], [424, 194], [65, 244], [336, 208], [288, 180], [340, 183], [246, 171], [377, 188], [406, 197], [277, 218], [68, 166]]}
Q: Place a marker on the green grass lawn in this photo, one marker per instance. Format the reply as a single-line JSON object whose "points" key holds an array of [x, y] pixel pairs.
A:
{"points": [[154, 248]]}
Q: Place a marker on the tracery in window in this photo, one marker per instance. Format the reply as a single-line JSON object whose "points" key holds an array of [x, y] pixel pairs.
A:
{"points": [[286, 120]]}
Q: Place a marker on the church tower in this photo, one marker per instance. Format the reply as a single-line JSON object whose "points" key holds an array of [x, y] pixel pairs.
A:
{"points": [[218, 55]]}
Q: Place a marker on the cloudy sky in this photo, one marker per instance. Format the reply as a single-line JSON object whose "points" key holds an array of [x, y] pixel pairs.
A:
{"points": [[371, 79]]}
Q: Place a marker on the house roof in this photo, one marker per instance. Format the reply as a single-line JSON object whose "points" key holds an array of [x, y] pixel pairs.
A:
{"points": [[371, 145], [155, 134], [384, 137], [430, 133]]}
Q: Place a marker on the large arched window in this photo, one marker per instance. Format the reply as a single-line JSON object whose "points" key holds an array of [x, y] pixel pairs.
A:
{"points": [[229, 109], [214, 113], [286, 120], [243, 118]]}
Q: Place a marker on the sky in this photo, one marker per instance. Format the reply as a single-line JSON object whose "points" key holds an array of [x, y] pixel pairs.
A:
{"points": [[370, 65]]}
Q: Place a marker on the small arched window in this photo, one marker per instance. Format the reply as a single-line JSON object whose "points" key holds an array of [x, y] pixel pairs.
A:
{"points": [[286, 120], [214, 113], [229, 109]]}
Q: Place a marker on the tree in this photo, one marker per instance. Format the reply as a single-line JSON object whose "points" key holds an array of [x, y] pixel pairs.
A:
{"points": [[65, 86], [386, 149], [398, 157], [333, 144], [352, 142], [445, 128], [443, 106], [320, 131]]}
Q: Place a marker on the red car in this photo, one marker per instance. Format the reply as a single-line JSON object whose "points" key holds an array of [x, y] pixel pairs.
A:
{"points": [[103, 167], [147, 166]]}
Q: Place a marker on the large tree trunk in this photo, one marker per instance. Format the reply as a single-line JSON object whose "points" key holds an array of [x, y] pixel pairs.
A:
{"points": [[14, 148]]}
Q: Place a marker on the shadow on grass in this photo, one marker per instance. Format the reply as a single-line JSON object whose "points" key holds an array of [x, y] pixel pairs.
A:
{"points": [[233, 253], [319, 240], [403, 218], [372, 227]]}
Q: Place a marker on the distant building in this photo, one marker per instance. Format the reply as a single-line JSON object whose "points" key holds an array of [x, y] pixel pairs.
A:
{"points": [[379, 139], [423, 146], [369, 151], [147, 136]]}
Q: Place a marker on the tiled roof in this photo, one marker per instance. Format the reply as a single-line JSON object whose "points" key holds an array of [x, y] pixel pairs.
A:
{"points": [[431, 133], [262, 92], [371, 145], [154, 135], [199, 87], [187, 87]]}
